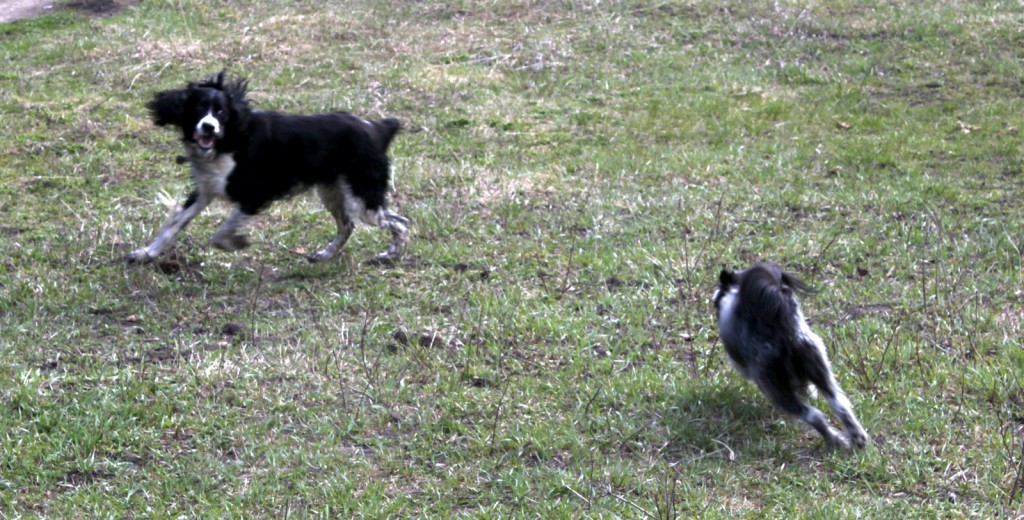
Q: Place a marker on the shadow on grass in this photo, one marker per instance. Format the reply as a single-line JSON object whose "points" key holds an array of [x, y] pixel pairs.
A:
{"points": [[709, 419]]}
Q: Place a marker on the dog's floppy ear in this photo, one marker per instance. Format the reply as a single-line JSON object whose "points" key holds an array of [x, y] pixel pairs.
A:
{"points": [[167, 107], [726, 278], [795, 284], [235, 91]]}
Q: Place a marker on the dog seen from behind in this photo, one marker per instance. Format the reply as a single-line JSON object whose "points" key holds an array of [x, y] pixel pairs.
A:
{"points": [[769, 342], [252, 158]]}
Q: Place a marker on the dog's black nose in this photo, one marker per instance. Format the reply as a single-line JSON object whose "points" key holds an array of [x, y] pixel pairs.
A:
{"points": [[206, 128]]}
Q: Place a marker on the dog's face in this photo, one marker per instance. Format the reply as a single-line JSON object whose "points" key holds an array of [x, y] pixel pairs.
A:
{"points": [[207, 115], [203, 111]]}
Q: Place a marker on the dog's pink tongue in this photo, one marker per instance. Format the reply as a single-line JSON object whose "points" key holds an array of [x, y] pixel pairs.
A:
{"points": [[203, 140]]}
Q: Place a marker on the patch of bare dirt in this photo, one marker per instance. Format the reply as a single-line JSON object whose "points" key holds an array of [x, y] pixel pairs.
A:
{"points": [[98, 7], [19, 9], [12, 10]]}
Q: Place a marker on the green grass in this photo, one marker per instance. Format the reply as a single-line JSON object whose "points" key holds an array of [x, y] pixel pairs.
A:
{"points": [[577, 173]]}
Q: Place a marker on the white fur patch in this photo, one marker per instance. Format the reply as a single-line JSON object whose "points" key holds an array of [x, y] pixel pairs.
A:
{"points": [[727, 303], [211, 177], [208, 119], [354, 206], [727, 307]]}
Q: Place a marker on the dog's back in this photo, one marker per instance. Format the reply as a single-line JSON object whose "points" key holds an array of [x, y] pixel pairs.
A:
{"points": [[314, 137], [769, 303], [758, 314]]}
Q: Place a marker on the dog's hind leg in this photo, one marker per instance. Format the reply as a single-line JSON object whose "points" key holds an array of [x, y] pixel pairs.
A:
{"points": [[819, 371], [227, 238], [334, 200], [396, 224], [193, 205], [841, 406], [817, 420], [788, 400], [399, 227]]}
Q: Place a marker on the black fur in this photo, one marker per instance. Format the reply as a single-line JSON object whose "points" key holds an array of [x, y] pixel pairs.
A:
{"points": [[769, 306], [252, 158], [768, 341]]}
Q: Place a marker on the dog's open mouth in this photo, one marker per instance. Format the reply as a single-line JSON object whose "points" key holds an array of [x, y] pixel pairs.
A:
{"points": [[204, 141]]}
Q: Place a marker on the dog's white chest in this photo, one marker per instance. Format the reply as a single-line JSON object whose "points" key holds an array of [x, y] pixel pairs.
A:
{"points": [[211, 177]]}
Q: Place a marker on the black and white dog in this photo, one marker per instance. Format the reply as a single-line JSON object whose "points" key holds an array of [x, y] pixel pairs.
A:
{"points": [[769, 342], [252, 158]]}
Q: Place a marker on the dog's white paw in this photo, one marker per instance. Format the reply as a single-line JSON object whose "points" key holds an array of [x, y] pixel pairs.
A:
{"points": [[837, 441], [858, 439], [395, 250], [139, 256], [319, 256], [384, 259], [230, 242]]}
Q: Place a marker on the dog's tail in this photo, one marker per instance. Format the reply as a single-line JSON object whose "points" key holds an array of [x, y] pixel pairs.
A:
{"points": [[387, 128]]}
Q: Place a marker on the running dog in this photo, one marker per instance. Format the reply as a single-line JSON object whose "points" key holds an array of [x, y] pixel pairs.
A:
{"points": [[252, 158], [769, 342]]}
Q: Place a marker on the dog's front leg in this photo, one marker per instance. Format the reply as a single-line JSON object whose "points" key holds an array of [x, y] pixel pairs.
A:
{"points": [[193, 205], [227, 238]]}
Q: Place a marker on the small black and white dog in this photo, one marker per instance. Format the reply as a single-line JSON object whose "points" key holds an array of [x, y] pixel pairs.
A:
{"points": [[252, 158], [769, 342]]}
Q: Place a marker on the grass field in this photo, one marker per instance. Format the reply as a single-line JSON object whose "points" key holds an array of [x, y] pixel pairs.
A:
{"points": [[577, 173]]}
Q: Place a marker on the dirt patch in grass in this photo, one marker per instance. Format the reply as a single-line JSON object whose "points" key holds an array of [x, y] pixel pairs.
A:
{"points": [[22, 9], [98, 7]]}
